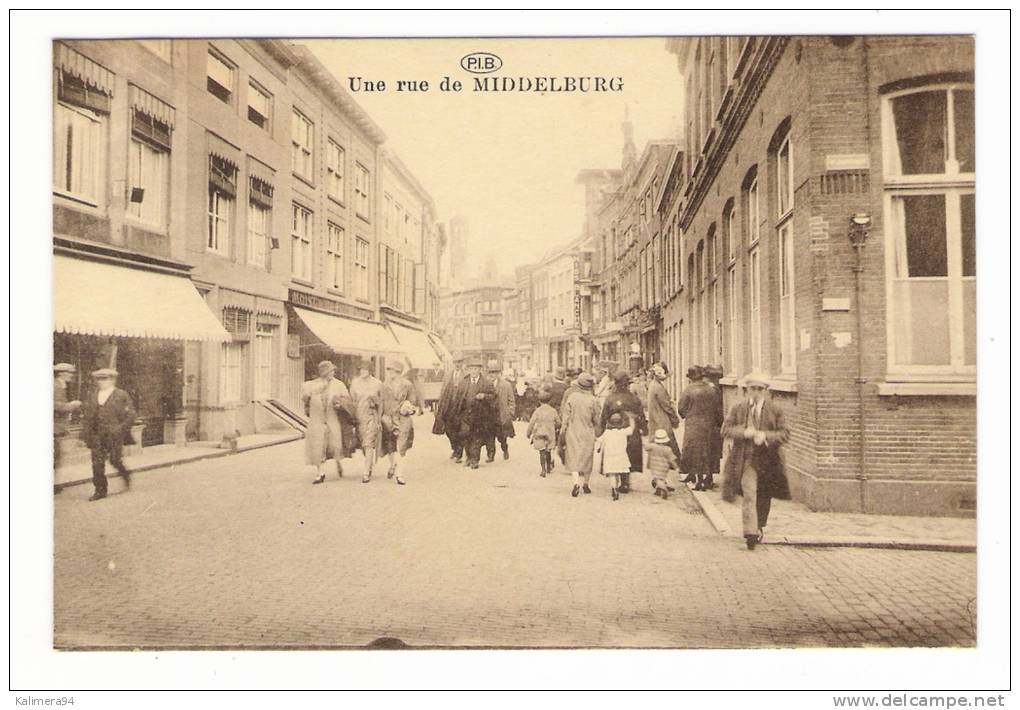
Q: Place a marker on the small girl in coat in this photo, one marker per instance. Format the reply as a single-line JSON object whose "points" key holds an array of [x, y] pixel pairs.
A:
{"points": [[661, 460], [543, 430], [615, 461]]}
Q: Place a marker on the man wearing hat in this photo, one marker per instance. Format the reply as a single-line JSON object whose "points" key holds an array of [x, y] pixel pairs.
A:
{"points": [[366, 391], [330, 412], [698, 408], [477, 405], [557, 387], [447, 417], [63, 374], [714, 373], [506, 405], [107, 417], [400, 402], [754, 467], [661, 414]]}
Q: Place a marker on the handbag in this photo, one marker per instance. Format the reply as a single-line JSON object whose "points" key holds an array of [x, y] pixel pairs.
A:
{"points": [[596, 459]]}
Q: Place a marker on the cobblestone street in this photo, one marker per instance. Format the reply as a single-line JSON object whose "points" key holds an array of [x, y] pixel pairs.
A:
{"points": [[243, 551]]}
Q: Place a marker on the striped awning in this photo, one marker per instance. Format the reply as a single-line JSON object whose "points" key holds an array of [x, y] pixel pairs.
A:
{"points": [[223, 150], [142, 100], [96, 298], [350, 336], [78, 65], [417, 347]]}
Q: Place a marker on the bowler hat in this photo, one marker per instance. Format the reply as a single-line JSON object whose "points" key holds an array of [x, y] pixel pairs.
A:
{"points": [[64, 367], [661, 437], [326, 366], [713, 371], [104, 372], [694, 373], [621, 378]]}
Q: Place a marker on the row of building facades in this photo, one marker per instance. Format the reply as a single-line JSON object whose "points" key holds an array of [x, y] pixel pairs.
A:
{"points": [[225, 216], [815, 222]]}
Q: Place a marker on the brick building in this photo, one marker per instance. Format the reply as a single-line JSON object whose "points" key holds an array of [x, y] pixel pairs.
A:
{"points": [[823, 211], [471, 322]]}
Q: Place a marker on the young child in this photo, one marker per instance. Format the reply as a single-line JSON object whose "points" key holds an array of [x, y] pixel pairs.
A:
{"points": [[661, 461], [543, 430], [615, 461]]}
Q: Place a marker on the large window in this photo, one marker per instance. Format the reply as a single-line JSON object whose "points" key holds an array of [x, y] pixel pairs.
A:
{"points": [[222, 189], [302, 139], [361, 190], [733, 360], [149, 169], [259, 105], [335, 257], [754, 302], [361, 268], [301, 243], [79, 153], [219, 77], [258, 234], [784, 232], [335, 156], [929, 202]]}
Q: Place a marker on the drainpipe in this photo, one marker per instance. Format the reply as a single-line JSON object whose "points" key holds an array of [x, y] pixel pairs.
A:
{"points": [[858, 234]]}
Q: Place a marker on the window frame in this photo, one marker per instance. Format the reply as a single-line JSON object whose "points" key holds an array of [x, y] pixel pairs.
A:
{"points": [[306, 153], [301, 215], [336, 249], [98, 161], [135, 180], [362, 194], [754, 305], [361, 268], [336, 173], [258, 241], [254, 86], [213, 243], [214, 54]]}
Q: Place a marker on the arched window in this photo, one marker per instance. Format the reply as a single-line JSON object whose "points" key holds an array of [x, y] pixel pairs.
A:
{"points": [[781, 158], [928, 179]]}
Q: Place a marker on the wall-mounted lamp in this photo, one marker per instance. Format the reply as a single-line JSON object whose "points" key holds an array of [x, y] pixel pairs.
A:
{"points": [[859, 224]]}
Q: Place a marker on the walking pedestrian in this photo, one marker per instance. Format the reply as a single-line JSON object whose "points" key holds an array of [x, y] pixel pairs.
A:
{"points": [[661, 460], [623, 402], [714, 373], [447, 415], [331, 420], [63, 374], [543, 430], [616, 445], [366, 391], [661, 413], [580, 417], [639, 388], [400, 402], [699, 410], [557, 386], [107, 418], [478, 418], [754, 467], [506, 405]]}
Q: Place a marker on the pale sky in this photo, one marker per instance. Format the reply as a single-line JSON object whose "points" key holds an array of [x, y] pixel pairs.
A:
{"points": [[507, 161]]}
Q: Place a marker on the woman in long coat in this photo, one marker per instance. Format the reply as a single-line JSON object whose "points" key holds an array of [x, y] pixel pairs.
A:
{"points": [[700, 410], [330, 412], [622, 400], [580, 417]]}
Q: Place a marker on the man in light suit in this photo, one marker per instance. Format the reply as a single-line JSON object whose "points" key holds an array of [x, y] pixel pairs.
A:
{"points": [[106, 426]]}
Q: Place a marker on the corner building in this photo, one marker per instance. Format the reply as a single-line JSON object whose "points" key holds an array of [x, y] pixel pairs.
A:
{"points": [[825, 204]]}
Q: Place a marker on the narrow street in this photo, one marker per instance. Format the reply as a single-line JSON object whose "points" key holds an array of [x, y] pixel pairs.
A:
{"points": [[243, 551]]}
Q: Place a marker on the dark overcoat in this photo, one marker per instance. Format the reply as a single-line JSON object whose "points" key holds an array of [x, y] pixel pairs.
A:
{"points": [[626, 403], [766, 459], [478, 415], [699, 408], [446, 418], [108, 424]]}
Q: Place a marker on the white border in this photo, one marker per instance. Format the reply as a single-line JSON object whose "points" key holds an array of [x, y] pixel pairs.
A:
{"points": [[35, 665]]}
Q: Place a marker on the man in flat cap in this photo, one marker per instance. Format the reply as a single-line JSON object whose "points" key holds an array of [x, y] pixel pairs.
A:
{"points": [[754, 467], [331, 420], [63, 374], [107, 417], [366, 391], [447, 416], [400, 401]]}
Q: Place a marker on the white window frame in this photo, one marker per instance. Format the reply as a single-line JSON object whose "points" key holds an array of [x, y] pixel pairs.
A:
{"points": [[254, 89], [88, 171], [232, 355], [361, 191], [335, 249], [336, 157], [302, 140], [301, 233], [754, 305], [215, 63], [952, 185], [220, 208], [258, 234], [361, 256], [149, 169]]}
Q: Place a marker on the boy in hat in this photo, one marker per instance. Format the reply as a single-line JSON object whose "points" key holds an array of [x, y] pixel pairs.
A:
{"points": [[661, 460], [543, 430], [106, 426], [400, 402]]}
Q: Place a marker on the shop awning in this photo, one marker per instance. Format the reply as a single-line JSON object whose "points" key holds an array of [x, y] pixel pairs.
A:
{"points": [[94, 298], [350, 336], [440, 346], [416, 346]]}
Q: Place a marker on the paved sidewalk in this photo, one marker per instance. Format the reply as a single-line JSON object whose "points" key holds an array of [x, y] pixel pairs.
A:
{"points": [[168, 455], [792, 523]]}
